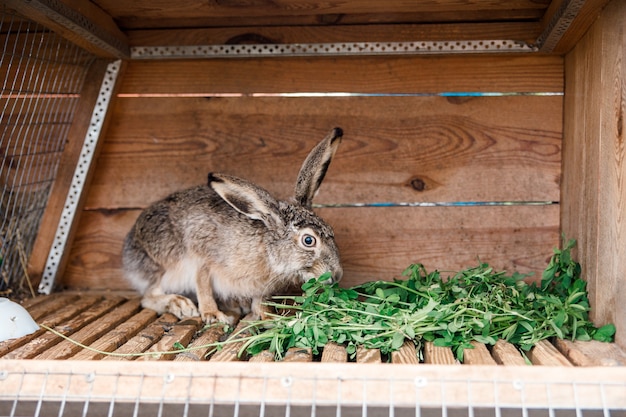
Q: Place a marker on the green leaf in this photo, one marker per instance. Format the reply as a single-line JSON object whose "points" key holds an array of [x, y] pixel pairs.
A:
{"points": [[397, 341], [605, 333]]}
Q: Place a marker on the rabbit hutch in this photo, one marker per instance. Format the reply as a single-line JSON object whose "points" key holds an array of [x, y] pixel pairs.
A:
{"points": [[473, 132]]}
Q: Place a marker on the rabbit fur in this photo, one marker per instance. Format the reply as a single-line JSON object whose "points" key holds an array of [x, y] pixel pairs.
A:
{"points": [[229, 244]]}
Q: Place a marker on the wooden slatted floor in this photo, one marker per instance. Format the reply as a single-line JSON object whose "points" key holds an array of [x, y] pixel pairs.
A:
{"points": [[117, 323]]}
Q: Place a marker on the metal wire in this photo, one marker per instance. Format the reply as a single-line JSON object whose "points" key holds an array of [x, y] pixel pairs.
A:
{"points": [[42, 78], [207, 393]]}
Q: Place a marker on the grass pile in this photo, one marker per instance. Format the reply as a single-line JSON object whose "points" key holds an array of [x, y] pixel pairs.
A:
{"points": [[475, 304]]}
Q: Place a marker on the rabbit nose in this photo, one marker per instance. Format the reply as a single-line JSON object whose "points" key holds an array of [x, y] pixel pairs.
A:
{"points": [[337, 275]]}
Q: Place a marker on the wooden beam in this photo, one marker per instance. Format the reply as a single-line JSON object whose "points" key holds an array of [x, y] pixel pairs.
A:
{"points": [[345, 385], [80, 22], [566, 22], [593, 194], [520, 31]]}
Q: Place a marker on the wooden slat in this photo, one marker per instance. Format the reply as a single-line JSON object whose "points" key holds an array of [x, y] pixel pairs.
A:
{"points": [[51, 320], [144, 339], [591, 353], [230, 351], [504, 353], [528, 31], [88, 334], [118, 336], [307, 386], [579, 24], [145, 14], [479, 355], [40, 307], [364, 355], [544, 353], [181, 332], [208, 337], [594, 164], [513, 73], [265, 356], [445, 149], [82, 23], [296, 354], [334, 352], [40, 312], [66, 328], [374, 243], [407, 354], [440, 355]]}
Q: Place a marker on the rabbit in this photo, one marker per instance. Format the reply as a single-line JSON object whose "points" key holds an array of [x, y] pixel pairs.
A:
{"points": [[229, 243]]}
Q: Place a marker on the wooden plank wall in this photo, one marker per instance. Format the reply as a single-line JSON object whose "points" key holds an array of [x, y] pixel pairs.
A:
{"points": [[594, 163], [174, 121]]}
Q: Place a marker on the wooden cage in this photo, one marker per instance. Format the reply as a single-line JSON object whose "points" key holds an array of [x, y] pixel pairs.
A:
{"points": [[473, 130]]}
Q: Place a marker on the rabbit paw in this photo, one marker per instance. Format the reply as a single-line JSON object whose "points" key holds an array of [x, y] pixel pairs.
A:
{"points": [[210, 317], [182, 307]]}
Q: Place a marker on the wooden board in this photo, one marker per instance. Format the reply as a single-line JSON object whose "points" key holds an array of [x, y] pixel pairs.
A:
{"points": [[160, 14], [505, 353], [388, 74], [344, 389], [593, 191], [479, 355], [395, 149], [458, 31], [438, 354], [374, 243]]}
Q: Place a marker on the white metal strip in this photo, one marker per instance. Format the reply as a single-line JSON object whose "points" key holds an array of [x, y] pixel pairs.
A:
{"points": [[78, 180], [329, 49]]}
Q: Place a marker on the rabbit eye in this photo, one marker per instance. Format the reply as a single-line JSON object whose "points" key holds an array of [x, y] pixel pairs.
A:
{"points": [[308, 241]]}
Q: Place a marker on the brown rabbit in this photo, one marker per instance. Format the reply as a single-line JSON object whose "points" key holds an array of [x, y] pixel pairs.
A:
{"points": [[230, 243]]}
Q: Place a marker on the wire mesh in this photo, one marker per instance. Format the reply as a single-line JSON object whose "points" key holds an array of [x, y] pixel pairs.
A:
{"points": [[419, 391], [42, 75]]}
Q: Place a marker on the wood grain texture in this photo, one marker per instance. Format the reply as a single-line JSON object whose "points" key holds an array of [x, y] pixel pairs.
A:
{"points": [[544, 353], [161, 13], [91, 332], [334, 352], [180, 333], [591, 353], [441, 355], [504, 353], [407, 354], [389, 74], [297, 354], [265, 356], [374, 243], [594, 164], [394, 148], [144, 339], [230, 351], [66, 328], [479, 355], [201, 345], [118, 336], [528, 31], [364, 355]]}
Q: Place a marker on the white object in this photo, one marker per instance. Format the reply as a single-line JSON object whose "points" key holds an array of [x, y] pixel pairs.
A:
{"points": [[14, 320]]}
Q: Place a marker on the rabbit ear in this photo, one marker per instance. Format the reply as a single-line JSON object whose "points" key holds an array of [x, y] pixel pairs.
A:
{"points": [[315, 166], [246, 198]]}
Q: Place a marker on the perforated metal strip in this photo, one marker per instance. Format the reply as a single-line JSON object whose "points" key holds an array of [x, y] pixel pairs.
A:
{"points": [[560, 22], [329, 49], [78, 180]]}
